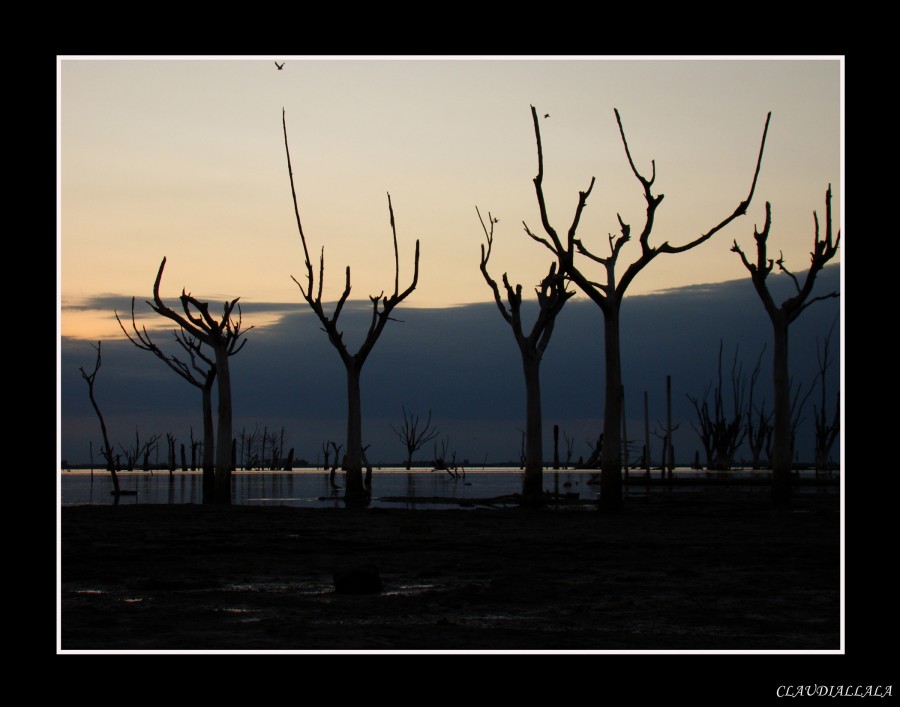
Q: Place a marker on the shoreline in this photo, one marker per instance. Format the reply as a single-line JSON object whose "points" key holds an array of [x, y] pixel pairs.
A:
{"points": [[706, 569]]}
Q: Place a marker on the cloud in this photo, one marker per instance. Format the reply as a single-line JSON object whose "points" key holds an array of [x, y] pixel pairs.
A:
{"points": [[462, 363]]}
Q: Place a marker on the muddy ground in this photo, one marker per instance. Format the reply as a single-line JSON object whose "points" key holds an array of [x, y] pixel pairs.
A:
{"points": [[711, 569]]}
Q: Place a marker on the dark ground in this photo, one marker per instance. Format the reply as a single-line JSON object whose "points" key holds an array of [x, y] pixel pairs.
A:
{"points": [[697, 569]]}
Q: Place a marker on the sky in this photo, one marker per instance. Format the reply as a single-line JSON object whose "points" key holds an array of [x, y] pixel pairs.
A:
{"points": [[184, 158]]}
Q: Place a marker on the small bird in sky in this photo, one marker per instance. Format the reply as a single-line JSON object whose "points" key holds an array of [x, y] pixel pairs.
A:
{"points": [[546, 115], [280, 66]]}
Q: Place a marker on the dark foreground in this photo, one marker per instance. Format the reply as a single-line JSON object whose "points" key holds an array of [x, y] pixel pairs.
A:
{"points": [[684, 570]]}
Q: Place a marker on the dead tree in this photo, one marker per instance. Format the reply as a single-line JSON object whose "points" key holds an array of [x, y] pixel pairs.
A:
{"points": [[608, 294], [440, 458], [826, 432], [556, 447], [798, 402], [667, 465], [570, 449], [200, 373], [107, 448], [412, 436], [721, 433], [170, 443], [781, 316], [551, 297], [759, 423], [382, 306], [139, 451], [334, 466], [225, 337]]}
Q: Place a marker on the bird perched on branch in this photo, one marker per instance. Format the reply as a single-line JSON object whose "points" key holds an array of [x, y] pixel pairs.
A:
{"points": [[280, 66]]}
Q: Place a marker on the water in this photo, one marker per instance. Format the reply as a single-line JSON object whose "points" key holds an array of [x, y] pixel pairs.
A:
{"points": [[311, 488]]}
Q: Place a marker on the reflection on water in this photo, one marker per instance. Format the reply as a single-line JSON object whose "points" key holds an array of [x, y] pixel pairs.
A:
{"points": [[391, 488]]}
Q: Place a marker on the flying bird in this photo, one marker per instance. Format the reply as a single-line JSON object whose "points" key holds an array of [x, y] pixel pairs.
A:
{"points": [[546, 115], [280, 66]]}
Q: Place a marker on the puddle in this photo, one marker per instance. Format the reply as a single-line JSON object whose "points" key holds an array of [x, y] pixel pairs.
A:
{"points": [[305, 588], [408, 589]]}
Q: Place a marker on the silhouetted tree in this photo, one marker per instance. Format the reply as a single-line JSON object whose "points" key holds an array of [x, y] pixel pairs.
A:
{"points": [[224, 337], [798, 402], [570, 448], [781, 316], [441, 461], [107, 448], [758, 423], [337, 460], [139, 451], [413, 436], [721, 434], [551, 297], [200, 373], [326, 449], [556, 447], [826, 432], [382, 306], [608, 294]]}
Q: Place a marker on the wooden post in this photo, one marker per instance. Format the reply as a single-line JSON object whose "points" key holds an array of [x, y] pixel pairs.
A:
{"points": [[556, 447], [646, 436]]}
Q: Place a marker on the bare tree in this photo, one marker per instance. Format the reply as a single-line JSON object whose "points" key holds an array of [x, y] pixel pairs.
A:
{"points": [[826, 432], [759, 423], [326, 450], [798, 402], [570, 448], [139, 451], [445, 459], [200, 373], [413, 436], [382, 306], [721, 433], [107, 448], [608, 295], [781, 316], [225, 337], [337, 460], [551, 297]]}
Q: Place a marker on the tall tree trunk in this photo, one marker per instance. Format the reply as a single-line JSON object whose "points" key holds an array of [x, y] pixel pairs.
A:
{"points": [[224, 461], [533, 482], [209, 447], [782, 447], [354, 494], [611, 454]]}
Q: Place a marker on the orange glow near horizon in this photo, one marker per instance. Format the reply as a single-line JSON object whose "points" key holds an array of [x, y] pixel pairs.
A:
{"points": [[184, 158]]}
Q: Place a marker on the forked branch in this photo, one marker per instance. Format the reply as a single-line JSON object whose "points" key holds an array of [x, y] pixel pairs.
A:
{"points": [[381, 305], [824, 249]]}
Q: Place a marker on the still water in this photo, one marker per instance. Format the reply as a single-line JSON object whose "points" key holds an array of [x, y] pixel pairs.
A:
{"points": [[391, 488], [312, 487]]}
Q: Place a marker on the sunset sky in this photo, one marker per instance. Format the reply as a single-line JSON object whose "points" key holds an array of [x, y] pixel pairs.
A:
{"points": [[184, 158]]}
